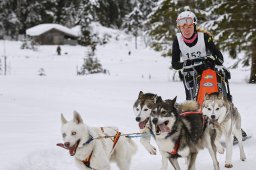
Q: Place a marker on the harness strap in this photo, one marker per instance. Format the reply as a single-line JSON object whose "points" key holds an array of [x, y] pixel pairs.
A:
{"points": [[205, 121], [116, 138], [174, 151], [87, 161], [190, 113]]}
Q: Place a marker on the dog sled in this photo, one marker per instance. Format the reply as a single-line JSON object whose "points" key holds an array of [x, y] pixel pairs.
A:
{"points": [[199, 78], [206, 80]]}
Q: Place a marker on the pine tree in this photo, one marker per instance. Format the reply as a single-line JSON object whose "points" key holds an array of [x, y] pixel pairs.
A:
{"points": [[10, 22], [235, 27], [91, 64], [86, 15], [134, 22]]}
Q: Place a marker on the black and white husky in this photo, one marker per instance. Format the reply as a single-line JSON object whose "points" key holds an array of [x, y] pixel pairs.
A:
{"points": [[227, 116], [95, 154], [142, 109], [175, 135]]}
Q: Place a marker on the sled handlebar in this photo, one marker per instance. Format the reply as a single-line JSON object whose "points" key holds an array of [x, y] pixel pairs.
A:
{"points": [[195, 62]]}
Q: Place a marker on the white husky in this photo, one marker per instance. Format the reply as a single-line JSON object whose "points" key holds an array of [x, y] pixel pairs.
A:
{"points": [[91, 153], [227, 116]]}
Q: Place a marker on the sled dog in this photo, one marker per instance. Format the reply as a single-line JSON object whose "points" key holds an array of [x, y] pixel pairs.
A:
{"points": [[219, 109], [175, 135], [142, 109], [96, 154]]}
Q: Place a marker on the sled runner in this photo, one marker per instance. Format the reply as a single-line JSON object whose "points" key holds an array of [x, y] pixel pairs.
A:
{"points": [[236, 141]]}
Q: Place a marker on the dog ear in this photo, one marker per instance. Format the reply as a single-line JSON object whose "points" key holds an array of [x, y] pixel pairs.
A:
{"points": [[77, 118], [206, 96], [220, 96], [154, 97], [140, 94], [63, 120], [158, 99], [174, 99]]}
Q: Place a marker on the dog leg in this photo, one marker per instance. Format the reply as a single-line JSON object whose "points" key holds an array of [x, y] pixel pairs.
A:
{"points": [[212, 151], [175, 163], [123, 164], [192, 161], [123, 154], [229, 144], [145, 141], [238, 135], [217, 143], [164, 161], [81, 165]]}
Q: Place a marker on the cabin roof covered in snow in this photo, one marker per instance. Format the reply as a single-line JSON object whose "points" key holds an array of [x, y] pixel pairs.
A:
{"points": [[42, 28]]}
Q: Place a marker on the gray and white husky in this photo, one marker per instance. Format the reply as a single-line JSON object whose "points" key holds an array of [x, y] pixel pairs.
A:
{"points": [[219, 109], [91, 153], [142, 109], [175, 135]]}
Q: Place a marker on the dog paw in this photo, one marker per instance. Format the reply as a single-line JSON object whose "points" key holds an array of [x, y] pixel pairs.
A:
{"points": [[152, 150], [221, 150], [243, 158], [228, 165]]}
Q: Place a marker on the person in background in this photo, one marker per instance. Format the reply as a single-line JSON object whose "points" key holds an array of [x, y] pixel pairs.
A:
{"points": [[58, 50]]}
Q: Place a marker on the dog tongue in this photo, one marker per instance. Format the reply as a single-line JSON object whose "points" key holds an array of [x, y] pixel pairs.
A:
{"points": [[142, 124], [163, 128], [72, 150], [61, 145]]}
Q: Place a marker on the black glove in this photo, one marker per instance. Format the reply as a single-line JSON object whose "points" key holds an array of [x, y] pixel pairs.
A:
{"points": [[189, 62], [209, 63]]}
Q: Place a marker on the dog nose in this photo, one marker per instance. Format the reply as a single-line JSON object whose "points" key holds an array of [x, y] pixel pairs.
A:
{"points": [[67, 144], [138, 119], [213, 116], [155, 120]]}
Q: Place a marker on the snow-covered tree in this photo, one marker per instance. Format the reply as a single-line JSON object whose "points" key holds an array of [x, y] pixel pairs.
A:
{"points": [[9, 20], [86, 15], [91, 64], [234, 24], [134, 22]]}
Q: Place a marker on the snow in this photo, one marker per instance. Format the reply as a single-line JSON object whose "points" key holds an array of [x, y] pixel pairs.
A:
{"points": [[42, 28], [31, 105]]}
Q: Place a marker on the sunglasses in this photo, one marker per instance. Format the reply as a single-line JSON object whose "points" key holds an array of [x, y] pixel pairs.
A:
{"points": [[185, 21]]}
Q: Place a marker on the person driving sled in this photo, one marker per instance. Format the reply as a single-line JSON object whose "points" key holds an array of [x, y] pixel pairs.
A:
{"points": [[191, 45], [195, 48]]}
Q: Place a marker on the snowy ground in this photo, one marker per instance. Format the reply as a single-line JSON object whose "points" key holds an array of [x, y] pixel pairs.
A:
{"points": [[31, 104]]}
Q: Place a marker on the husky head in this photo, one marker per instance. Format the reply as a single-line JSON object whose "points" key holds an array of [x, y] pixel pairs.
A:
{"points": [[164, 114], [142, 108], [214, 106], [73, 133]]}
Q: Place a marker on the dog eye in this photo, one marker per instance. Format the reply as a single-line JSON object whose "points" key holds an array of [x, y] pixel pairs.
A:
{"points": [[163, 112], [209, 108], [145, 109], [137, 109], [64, 135], [154, 112], [217, 108], [73, 133]]}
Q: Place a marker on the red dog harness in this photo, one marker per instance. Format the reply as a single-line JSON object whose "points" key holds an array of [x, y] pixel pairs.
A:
{"points": [[115, 140], [174, 151]]}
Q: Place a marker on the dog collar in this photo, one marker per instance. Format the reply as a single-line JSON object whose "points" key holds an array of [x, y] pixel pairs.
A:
{"points": [[89, 140]]}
